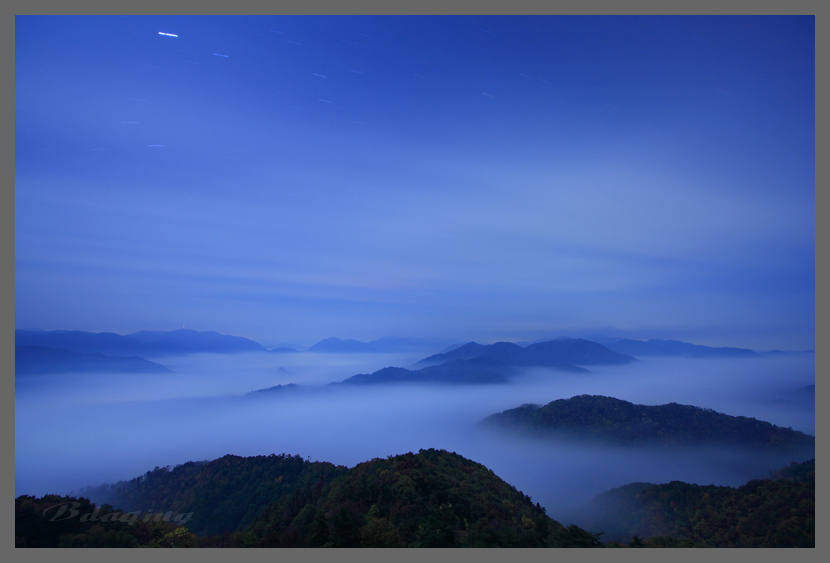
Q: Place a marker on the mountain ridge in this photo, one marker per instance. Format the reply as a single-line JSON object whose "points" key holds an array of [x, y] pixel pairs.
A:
{"points": [[607, 419], [662, 347], [571, 351], [32, 360], [380, 345], [141, 343]]}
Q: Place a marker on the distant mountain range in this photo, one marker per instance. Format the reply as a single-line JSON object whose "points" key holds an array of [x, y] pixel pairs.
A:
{"points": [[275, 390], [663, 347], [454, 372], [186, 341], [660, 347], [495, 363], [29, 360], [143, 343], [606, 419], [381, 345], [473, 364], [560, 352]]}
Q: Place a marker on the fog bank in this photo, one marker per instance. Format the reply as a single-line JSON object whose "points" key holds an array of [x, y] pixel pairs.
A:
{"points": [[76, 430]]}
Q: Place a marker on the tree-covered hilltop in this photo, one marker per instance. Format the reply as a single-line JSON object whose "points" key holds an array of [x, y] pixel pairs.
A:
{"points": [[595, 417], [432, 498], [778, 512]]}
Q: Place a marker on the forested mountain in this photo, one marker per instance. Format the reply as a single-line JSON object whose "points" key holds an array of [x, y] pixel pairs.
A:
{"points": [[572, 351], [143, 343], [30, 360], [775, 512], [607, 419], [430, 499], [224, 495]]}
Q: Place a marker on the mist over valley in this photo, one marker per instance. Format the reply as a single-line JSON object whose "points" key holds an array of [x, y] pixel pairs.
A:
{"points": [[76, 430]]}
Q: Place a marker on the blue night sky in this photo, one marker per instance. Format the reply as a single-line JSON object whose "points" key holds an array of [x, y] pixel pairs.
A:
{"points": [[476, 178]]}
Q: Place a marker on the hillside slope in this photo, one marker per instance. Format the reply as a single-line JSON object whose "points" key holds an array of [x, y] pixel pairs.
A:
{"points": [[594, 417], [30, 360], [775, 512], [224, 495]]}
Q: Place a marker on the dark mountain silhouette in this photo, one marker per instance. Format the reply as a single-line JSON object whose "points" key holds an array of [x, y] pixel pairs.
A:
{"points": [[191, 341], [143, 343], [659, 347], [606, 419], [83, 342], [38, 359], [430, 499], [560, 352], [381, 345]]}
